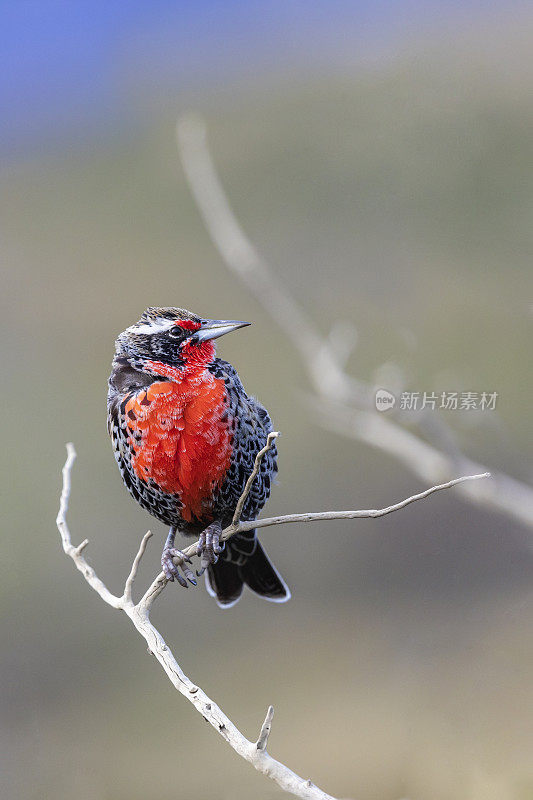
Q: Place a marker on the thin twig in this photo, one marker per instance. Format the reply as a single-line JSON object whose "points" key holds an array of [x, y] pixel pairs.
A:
{"points": [[128, 586], [372, 513], [266, 727], [251, 477]]}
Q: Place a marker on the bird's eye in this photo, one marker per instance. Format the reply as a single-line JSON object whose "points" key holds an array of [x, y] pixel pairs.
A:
{"points": [[175, 332]]}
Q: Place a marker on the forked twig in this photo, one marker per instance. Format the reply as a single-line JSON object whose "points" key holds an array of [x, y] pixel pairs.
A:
{"points": [[139, 613]]}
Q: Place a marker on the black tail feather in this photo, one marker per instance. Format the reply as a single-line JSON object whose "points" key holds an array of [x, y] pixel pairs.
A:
{"points": [[224, 582], [225, 579], [262, 577]]}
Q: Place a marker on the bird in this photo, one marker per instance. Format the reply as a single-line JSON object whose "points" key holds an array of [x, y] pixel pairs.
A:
{"points": [[185, 435]]}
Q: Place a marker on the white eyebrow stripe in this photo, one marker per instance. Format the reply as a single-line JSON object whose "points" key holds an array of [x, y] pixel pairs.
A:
{"points": [[157, 326]]}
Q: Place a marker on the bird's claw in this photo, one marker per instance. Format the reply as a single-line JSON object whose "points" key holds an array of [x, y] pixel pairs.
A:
{"points": [[209, 547], [172, 570]]}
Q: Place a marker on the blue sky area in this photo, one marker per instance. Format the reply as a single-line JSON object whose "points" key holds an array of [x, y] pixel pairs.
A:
{"points": [[64, 65]]}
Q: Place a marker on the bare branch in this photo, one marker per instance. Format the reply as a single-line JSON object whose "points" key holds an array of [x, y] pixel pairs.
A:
{"points": [[139, 614], [324, 359], [350, 402]]}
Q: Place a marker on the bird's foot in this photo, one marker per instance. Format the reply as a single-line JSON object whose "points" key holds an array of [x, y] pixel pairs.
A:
{"points": [[172, 570], [209, 546]]}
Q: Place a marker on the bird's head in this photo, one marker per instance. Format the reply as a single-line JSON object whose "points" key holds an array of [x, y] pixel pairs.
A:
{"points": [[174, 337]]}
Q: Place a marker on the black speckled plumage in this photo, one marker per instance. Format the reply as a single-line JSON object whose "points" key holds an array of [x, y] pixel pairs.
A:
{"points": [[248, 424]]}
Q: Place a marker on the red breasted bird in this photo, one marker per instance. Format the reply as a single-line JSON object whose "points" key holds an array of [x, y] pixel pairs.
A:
{"points": [[185, 436]]}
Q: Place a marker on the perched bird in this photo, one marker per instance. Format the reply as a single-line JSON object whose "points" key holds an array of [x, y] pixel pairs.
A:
{"points": [[185, 436]]}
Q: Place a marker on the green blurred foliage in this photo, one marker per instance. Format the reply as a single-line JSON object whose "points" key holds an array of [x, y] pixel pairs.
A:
{"points": [[399, 198]]}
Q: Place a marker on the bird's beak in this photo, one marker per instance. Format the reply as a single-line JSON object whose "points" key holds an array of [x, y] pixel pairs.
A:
{"points": [[213, 328]]}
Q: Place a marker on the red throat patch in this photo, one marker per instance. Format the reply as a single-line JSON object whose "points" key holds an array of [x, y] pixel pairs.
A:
{"points": [[180, 436]]}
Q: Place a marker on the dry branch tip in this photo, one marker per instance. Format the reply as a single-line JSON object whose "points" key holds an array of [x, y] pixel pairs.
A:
{"points": [[266, 727]]}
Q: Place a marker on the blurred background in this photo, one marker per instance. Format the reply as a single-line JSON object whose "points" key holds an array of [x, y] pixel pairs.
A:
{"points": [[380, 155]]}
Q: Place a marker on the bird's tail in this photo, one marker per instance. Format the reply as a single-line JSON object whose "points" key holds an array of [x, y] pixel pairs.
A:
{"points": [[236, 567]]}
